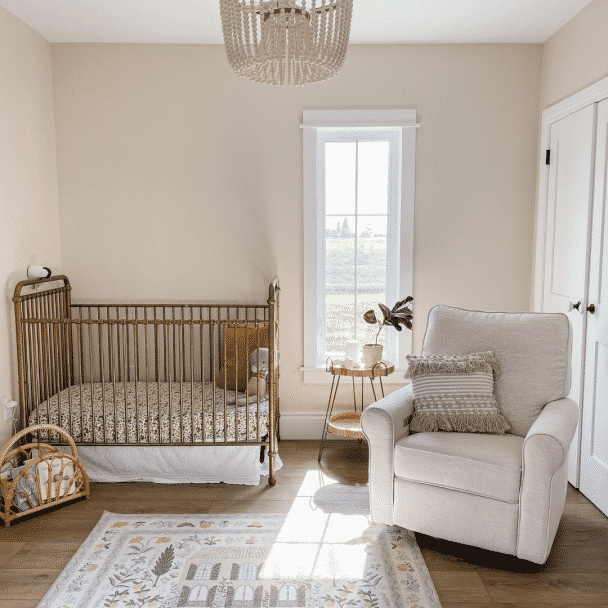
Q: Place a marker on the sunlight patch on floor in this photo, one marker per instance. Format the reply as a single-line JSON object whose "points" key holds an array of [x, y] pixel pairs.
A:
{"points": [[316, 543]]}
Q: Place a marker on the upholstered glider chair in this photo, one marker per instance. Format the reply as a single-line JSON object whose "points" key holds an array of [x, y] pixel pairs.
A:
{"points": [[502, 492]]}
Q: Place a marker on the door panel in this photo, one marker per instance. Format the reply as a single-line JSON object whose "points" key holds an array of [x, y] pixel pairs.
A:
{"points": [[569, 200], [594, 443]]}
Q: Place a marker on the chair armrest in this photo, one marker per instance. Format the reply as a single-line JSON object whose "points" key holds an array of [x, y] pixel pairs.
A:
{"points": [[383, 423], [545, 478], [548, 440]]}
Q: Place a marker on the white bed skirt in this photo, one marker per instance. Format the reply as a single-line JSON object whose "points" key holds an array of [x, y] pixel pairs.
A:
{"points": [[176, 464]]}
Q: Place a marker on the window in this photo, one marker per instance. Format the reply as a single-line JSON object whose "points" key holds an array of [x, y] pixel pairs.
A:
{"points": [[198, 595], [288, 596], [243, 597], [204, 571], [358, 228], [248, 571]]}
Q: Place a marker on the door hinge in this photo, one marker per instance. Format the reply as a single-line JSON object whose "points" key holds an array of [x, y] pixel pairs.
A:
{"points": [[548, 157]]}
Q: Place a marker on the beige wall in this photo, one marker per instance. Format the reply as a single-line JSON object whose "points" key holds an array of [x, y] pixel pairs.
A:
{"points": [[179, 180], [29, 218], [576, 55]]}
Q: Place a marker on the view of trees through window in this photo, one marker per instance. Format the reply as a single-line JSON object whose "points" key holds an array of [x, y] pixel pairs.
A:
{"points": [[356, 219]]}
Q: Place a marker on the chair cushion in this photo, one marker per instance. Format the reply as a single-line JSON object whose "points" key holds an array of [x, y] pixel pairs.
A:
{"points": [[482, 464], [455, 393], [533, 350]]}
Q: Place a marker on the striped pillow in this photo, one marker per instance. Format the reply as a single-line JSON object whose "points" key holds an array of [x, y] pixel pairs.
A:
{"points": [[455, 393]]}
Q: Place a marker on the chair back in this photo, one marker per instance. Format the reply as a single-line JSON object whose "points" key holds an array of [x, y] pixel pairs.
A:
{"points": [[533, 349]]}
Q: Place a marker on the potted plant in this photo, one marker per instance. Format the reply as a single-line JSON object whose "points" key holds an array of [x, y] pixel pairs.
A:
{"points": [[399, 315]]}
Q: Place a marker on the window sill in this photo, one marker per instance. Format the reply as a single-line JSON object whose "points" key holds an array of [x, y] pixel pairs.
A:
{"points": [[315, 375]]}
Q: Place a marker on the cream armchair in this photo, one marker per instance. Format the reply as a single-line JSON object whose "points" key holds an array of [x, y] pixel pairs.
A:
{"points": [[507, 492]]}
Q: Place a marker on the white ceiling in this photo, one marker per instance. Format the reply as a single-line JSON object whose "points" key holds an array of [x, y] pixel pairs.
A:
{"points": [[374, 21]]}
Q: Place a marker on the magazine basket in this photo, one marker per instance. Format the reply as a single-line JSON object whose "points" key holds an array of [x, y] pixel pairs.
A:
{"points": [[47, 477]]}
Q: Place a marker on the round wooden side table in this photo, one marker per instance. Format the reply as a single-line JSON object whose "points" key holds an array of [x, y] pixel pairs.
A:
{"points": [[348, 424]]}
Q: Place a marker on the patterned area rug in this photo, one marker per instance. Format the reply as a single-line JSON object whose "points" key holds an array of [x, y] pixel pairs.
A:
{"points": [[308, 558]]}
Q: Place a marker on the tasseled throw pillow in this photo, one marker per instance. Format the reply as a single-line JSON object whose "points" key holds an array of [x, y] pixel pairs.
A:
{"points": [[455, 393]]}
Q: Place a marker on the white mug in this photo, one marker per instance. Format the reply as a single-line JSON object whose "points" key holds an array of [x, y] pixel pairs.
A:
{"points": [[353, 349]]}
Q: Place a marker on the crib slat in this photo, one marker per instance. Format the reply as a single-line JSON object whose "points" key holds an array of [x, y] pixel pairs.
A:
{"points": [[157, 373], [115, 364], [192, 375], [40, 357], [147, 372], [92, 374], [81, 374], [136, 375], [45, 356], [206, 360], [225, 372], [213, 415]]}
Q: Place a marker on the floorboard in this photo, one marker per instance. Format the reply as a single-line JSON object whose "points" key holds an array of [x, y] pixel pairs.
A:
{"points": [[34, 550]]}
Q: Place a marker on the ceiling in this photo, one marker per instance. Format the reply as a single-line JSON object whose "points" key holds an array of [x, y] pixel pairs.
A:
{"points": [[374, 21]]}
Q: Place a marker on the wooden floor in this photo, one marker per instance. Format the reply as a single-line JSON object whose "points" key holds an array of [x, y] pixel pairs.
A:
{"points": [[34, 550]]}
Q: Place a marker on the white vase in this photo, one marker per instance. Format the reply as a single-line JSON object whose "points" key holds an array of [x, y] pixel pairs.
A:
{"points": [[372, 353]]}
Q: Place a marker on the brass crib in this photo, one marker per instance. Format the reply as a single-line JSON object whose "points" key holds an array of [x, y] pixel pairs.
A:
{"points": [[147, 374]]}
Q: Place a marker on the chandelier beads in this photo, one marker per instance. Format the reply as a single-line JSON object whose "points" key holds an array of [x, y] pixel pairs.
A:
{"points": [[286, 42]]}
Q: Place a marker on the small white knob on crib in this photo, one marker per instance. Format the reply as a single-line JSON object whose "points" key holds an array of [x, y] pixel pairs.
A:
{"points": [[38, 272]]}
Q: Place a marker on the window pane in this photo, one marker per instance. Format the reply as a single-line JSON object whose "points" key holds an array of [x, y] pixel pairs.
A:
{"points": [[371, 253], [339, 283], [373, 177], [340, 177], [371, 274], [340, 322], [340, 254]]}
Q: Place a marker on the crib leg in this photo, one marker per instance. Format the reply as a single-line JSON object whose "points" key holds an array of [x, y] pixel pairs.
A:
{"points": [[272, 477]]}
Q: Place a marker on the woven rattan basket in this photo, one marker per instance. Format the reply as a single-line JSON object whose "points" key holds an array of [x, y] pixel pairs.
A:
{"points": [[49, 476], [346, 424]]}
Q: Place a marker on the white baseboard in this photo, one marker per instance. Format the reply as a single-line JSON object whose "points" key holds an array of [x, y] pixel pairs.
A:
{"points": [[304, 425]]}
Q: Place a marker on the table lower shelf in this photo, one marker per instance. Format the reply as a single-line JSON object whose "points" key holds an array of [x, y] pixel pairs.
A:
{"points": [[346, 424]]}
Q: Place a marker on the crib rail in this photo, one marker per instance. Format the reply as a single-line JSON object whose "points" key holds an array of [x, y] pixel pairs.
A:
{"points": [[43, 361], [142, 351]]}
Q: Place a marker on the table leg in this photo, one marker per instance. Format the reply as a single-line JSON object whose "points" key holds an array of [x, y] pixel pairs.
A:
{"points": [[330, 406], [362, 401], [374, 388]]}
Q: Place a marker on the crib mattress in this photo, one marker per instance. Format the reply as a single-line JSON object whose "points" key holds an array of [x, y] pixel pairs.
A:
{"points": [[103, 415]]}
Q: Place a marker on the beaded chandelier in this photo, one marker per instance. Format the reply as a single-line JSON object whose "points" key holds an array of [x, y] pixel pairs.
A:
{"points": [[286, 42]]}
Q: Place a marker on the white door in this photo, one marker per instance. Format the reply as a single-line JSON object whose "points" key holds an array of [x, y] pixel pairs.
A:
{"points": [[569, 201], [594, 442]]}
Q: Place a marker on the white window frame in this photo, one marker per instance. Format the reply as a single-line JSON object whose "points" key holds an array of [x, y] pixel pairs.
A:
{"points": [[317, 126]]}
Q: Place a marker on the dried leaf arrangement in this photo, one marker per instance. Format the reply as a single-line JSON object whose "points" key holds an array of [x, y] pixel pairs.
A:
{"points": [[397, 316]]}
